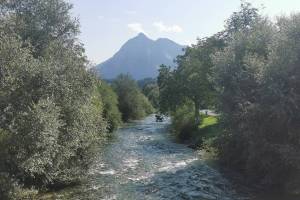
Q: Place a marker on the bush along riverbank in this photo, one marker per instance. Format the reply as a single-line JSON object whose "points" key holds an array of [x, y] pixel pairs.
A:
{"points": [[51, 112], [249, 74], [54, 113]]}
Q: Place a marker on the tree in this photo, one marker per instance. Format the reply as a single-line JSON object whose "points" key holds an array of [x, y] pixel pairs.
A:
{"points": [[194, 72], [40, 22], [242, 20], [254, 137], [50, 111], [132, 103], [110, 106], [151, 91], [191, 80], [279, 106], [169, 97]]}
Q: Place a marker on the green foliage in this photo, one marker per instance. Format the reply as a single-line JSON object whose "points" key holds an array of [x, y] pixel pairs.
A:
{"points": [[50, 110], [146, 81], [169, 97], [192, 78], [238, 71], [7, 188], [242, 20], [250, 73], [257, 80], [40, 22], [189, 88], [202, 136], [183, 123], [197, 135], [51, 130], [132, 103], [54, 113], [151, 91], [209, 130], [110, 106]]}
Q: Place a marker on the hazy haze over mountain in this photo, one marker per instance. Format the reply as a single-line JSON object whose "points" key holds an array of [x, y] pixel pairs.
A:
{"points": [[140, 57]]}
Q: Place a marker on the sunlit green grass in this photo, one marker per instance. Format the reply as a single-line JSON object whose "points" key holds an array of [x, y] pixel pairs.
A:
{"points": [[208, 131], [208, 121], [209, 128]]}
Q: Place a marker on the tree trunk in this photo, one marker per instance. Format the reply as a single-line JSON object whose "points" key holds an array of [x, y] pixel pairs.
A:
{"points": [[197, 114]]}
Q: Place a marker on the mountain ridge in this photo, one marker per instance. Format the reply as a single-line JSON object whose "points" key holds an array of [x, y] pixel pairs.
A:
{"points": [[140, 57]]}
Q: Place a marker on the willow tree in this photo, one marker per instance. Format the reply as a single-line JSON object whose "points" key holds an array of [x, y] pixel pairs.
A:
{"points": [[40, 22], [50, 112]]}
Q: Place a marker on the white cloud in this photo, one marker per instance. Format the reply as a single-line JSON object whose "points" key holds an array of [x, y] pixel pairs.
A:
{"points": [[169, 29], [136, 27]]}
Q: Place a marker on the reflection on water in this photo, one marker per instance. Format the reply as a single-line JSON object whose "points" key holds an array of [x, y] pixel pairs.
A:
{"points": [[143, 163]]}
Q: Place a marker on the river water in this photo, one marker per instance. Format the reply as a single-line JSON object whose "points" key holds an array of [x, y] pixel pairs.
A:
{"points": [[143, 163]]}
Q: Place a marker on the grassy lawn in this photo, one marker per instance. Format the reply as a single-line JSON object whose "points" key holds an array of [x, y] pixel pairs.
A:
{"points": [[208, 121], [207, 132], [208, 129]]}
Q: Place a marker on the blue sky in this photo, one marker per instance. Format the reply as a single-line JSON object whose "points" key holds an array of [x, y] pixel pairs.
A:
{"points": [[107, 24]]}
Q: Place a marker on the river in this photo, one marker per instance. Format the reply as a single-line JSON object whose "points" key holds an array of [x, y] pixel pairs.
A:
{"points": [[143, 163]]}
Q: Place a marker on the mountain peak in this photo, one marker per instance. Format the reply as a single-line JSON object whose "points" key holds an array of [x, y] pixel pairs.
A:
{"points": [[141, 34], [140, 57]]}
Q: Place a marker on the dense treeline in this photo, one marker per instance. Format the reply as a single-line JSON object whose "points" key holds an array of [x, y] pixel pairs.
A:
{"points": [[53, 111], [250, 74], [133, 104], [150, 89]]}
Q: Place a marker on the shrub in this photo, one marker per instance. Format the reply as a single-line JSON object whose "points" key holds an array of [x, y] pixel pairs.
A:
{"points": [[151, 91], [48, 114], [132, 103], [183, 122], [110, 106]]}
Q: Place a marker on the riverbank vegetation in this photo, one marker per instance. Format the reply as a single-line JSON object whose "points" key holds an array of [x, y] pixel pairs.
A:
{"points": [[51, 113], [133, 104], [54, 112], [110, 102], [248, 73], [150, 89]]}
